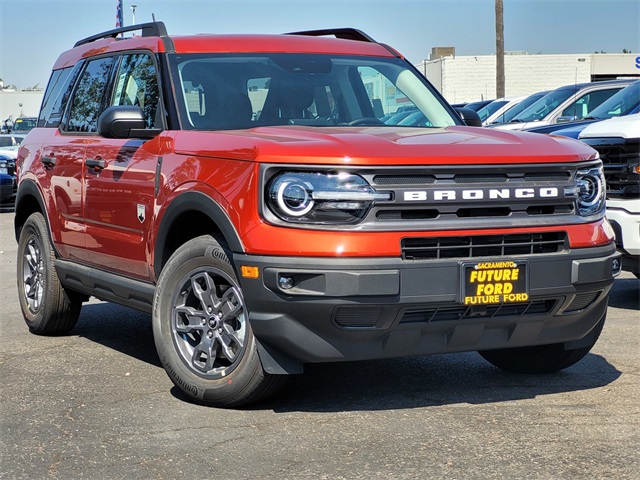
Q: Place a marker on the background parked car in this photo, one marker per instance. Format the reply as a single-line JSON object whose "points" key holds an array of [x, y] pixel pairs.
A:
{"points": [[492, 107], [8, 184], [9, 143], [24, 124], [617, 140], [501, 109], [625, 102], [475, 106], [571, 102], [515, 110]]}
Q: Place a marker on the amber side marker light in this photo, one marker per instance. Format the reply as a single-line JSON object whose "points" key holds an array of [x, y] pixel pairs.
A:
{"points": [[249, 272]]}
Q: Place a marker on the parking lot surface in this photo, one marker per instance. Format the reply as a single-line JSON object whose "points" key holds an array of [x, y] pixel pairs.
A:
{"points": [[97, 404]]}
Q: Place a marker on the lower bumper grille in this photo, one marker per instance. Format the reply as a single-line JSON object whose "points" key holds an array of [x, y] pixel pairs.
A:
{"points": [[370, 317], [482, 246], [461, 312]]}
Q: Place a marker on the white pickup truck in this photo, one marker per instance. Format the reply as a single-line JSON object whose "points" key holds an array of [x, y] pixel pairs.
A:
{"points": [[618, 142]]}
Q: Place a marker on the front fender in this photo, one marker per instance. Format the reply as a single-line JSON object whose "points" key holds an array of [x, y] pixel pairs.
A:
{"points": [[193, 201]]}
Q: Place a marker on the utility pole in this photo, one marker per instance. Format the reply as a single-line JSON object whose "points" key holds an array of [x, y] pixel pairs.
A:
{"points": [[133, 14], [500, 88]]}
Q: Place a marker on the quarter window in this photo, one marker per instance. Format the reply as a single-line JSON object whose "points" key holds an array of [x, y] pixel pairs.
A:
{"points": [[52, 101]]}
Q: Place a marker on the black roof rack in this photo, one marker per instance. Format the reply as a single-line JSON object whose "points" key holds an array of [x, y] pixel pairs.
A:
{"points": [[344, 33], [152, 29]]}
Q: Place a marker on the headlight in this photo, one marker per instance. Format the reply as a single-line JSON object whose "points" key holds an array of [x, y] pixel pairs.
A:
{"points": [[591, 191], [4, 170], [321, 198]]}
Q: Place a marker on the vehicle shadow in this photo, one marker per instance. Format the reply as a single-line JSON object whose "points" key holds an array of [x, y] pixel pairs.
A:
{"points": [[437, 380], [625, 294], [400, 383], [120, 328]]}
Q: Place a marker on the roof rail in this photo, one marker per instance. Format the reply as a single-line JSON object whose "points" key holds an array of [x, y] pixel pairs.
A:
{"points": [[152, 29], [344, 33]]}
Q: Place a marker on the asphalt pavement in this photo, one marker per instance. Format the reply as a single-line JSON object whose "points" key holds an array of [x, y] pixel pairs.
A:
{"points": [[96, 404]]}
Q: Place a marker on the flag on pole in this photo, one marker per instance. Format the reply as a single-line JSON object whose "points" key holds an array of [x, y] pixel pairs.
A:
{"points": [[119, 15]]}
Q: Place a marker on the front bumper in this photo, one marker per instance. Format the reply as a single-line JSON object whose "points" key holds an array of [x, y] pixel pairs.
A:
{"points": [[624, 216], [354, 309]]}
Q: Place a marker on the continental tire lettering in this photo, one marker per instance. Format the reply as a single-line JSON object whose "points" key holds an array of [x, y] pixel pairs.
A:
{"points": [[219, 254], [191, 389]]}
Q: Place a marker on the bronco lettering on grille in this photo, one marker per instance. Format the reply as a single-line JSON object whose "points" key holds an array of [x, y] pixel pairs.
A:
{"points": [[481, 194]]}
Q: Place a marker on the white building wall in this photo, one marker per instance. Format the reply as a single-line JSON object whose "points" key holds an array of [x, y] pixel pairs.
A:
{"points": [[470, 78], [433, 71], [621, 63], [20, 104]]}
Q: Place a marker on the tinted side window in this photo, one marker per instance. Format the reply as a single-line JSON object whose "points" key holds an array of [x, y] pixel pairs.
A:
{"points": [[51, 111], [87, 101], [137, 84], [588, 102]]}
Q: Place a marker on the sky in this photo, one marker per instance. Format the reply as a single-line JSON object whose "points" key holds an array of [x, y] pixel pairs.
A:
{"points": [[33, 33]]}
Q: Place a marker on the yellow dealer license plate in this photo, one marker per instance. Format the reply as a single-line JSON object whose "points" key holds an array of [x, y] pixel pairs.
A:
{"points": [[487, 283]]}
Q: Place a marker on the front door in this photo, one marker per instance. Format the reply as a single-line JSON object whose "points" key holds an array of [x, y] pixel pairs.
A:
{"points": [[119, 178]]}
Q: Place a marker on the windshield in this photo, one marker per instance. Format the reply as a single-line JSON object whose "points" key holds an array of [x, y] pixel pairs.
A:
{"points": [[518, 108], [222, 92], [24, 124], [545, 105], [622, 103], [491, 108]]}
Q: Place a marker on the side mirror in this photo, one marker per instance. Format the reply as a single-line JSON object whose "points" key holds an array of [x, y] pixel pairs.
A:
{"points": [[124, 121], [469, 117]]}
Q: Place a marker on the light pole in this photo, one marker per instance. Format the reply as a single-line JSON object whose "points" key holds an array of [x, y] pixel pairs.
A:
{"points": [[133, 14], [500, 77]]}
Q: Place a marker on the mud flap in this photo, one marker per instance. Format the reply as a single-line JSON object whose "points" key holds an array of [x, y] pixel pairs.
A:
{"points": [[275, 362]]}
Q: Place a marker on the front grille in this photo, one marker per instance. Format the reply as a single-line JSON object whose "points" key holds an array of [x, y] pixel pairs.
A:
{"points": [[10, 165], [618, 156], [509, 195], [460, 312], [426, 248]]}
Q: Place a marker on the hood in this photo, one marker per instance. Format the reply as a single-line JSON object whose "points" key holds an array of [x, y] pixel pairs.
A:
{"points": [[623, 127], [380, 146]]}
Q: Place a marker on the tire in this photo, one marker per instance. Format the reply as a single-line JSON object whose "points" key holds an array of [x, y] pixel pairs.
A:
{"points": [[202, 332], [46, 307], [541, 358]]}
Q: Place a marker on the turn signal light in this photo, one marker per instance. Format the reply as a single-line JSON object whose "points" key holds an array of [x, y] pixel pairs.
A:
{"points": [[249, 272]]}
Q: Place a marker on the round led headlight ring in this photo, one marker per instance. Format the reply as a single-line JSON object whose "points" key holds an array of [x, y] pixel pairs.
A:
{"points": [[590, 190], [294, 198]]}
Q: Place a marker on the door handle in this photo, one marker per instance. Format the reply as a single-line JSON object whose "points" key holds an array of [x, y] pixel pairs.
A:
{"points": [[48, 162], [96, 163]]}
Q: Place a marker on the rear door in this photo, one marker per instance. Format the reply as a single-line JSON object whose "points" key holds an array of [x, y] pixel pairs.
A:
{"points": [[63, 157]]}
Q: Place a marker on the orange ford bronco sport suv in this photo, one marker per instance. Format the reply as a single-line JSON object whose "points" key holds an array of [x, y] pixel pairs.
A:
{"points": [[245, 190]]}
